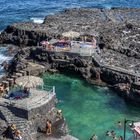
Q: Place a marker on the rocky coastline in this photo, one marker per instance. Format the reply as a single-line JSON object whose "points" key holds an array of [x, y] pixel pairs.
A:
{"points": [[123, 81], [118, 36]]}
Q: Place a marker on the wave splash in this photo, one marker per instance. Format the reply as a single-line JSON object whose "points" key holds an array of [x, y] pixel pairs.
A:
{"points": [[37, 20], [3, 57]]}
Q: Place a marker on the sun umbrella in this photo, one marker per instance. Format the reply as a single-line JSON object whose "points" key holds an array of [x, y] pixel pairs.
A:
{"points": [[29, 81], [70, 34]]}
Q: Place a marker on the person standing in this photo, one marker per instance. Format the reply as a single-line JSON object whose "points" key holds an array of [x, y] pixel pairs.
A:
{"points": [[48, 127], [60, 116]]}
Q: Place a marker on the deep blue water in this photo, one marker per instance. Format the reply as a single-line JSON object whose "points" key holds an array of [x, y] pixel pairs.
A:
{"points": [[24, 10]]}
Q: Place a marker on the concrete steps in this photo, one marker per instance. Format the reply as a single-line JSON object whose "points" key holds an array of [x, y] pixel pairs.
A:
{"points": [[9, 81], [22, 124]]}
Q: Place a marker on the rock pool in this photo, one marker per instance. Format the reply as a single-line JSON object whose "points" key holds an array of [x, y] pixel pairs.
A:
{"points": [[90, 109]]}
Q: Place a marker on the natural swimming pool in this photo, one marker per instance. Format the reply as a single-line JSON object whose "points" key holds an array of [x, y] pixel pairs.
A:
{"points": [[90, 109]]}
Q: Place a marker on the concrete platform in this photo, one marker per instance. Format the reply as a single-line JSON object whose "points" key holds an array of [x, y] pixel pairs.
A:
{"points": [[37, 98]]}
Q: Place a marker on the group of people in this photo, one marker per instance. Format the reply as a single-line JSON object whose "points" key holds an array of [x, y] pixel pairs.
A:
{"points": [[12, 132], [111, 134], [108, 133], [49, 123], [16, 132]]}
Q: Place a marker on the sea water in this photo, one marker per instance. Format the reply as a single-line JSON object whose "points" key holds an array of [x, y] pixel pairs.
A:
{"points": [[90, 109], [35, 10]]}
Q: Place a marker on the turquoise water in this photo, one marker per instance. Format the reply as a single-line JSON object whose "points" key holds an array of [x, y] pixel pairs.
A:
{"points": [[90, 109]]}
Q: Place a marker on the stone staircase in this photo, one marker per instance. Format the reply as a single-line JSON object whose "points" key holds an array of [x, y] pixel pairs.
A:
{"points": [[22, 124], [9, 81]]}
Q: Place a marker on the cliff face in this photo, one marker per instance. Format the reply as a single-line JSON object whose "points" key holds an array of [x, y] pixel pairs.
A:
{"points": [[21, 37], [124, 82], [118, 36], [117, 29]]}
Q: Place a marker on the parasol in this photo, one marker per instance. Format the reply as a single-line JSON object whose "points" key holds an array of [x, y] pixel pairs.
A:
{"points": [[71, 34], [137, 128], [29, 81]]}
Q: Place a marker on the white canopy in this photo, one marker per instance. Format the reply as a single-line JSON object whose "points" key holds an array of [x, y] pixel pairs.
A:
{"points": [[29, 81], [71, 34], [137, 127]]}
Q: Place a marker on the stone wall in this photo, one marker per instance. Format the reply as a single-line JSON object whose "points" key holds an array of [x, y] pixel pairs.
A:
{"points": [[21, 36], [30, 114], [91, 68], [114, 76], [42, 110]]}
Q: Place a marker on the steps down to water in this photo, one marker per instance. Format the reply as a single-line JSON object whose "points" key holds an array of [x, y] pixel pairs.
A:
{"points": [[22, 124]]}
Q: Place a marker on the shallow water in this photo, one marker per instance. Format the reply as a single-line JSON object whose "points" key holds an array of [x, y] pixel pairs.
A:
{"points": [[90, 109]]}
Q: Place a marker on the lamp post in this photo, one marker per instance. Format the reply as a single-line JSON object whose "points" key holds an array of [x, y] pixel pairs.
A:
{"points": [[125, 122]]}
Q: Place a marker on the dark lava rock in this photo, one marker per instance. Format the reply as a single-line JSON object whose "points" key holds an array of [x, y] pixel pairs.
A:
{"points": [[113, 27]]}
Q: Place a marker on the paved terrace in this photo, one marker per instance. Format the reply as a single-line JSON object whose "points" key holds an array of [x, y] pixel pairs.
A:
{"points": [[124, 69], [117, 59], [37, 98]]}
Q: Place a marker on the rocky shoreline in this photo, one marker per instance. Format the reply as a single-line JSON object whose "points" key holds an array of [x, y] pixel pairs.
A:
{"points": [[118, 36], [124, 82]]}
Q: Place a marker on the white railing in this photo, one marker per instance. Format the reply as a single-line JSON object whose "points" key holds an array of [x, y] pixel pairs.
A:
{"points": [[74, 47]]}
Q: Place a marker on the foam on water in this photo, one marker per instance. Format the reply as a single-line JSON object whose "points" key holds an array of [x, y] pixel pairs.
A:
{"points": [[3, 57], [24, 10], [37, 20]]}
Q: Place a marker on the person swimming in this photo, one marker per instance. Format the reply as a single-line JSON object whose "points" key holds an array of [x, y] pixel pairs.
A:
{"points": [[108, 133], [119, 124], [94, 137]]}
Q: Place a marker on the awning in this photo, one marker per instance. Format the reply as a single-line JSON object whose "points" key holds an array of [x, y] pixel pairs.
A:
{"points": [[84, 45], [137, 128], [71, 34], [53, 41], [44, 42]]}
